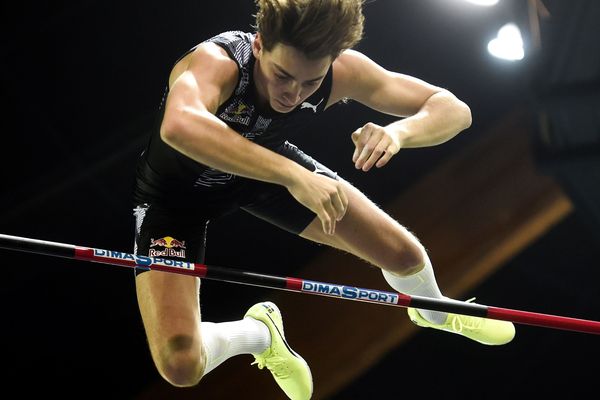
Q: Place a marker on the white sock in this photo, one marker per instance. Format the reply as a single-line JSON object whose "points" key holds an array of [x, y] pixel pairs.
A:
{"points": [[420, 284], [227, 339]]}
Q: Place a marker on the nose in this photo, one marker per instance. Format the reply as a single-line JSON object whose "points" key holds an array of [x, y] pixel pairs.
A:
{"points": [[291, 93]]}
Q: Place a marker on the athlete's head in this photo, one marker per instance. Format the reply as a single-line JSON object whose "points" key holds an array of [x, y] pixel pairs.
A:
{"points": [[316, 28], [297, 40]]}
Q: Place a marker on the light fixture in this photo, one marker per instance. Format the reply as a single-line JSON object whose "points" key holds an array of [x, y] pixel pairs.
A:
{"points": [[508, 45], [486, 3]]}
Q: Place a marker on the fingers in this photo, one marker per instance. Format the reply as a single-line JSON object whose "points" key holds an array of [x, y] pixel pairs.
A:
{"points": [[384, 159], [333, 210], [339, 202], [327, 219], [360, 139], [363, 141], [375, 156], [373, 146], [323, 195]]}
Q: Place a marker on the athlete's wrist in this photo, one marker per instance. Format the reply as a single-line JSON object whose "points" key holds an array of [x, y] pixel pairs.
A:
{"points": [[291, 173]]}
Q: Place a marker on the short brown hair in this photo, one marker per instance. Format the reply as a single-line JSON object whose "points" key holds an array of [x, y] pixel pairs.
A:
{"points": [[317, 28]]}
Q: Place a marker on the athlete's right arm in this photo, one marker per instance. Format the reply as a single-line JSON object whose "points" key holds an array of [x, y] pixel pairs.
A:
{"points": [[191, 127]]}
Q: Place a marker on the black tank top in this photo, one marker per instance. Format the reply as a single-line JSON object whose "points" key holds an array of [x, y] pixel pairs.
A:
{"points": [[163, 172]]}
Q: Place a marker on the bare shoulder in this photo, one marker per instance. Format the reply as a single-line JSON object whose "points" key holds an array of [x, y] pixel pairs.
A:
{"points": [[351, 69], [351, 59], [209, 52], [208, 62]]}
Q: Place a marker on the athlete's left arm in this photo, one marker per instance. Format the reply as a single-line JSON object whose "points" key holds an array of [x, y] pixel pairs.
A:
{"points": [[430, 115]]}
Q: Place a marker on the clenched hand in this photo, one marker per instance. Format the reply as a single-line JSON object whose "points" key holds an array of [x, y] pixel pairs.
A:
{"points": [[374, 145], [322, 195]]}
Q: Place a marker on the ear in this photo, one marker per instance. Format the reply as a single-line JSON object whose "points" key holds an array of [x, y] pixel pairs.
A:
{"points": [[257, 46]]}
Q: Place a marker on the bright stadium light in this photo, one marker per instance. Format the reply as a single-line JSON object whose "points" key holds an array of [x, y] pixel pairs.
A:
{"points": [[486, 3], [508, 45]]}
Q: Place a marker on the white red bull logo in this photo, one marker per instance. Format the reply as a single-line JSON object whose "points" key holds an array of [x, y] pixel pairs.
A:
{"points": [[167, 247]]}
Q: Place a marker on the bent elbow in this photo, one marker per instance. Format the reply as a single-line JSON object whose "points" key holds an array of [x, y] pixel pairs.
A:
{"points": [[462, 115], [462, 112], [166, 132], [458, 111], [172, 127], [467, 117]]}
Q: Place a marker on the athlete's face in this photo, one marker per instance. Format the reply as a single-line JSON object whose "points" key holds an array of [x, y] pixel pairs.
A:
{"points": [[285, 76]]}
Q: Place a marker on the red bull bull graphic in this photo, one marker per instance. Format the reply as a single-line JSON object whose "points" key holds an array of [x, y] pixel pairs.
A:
{"points": [[167, 247]]}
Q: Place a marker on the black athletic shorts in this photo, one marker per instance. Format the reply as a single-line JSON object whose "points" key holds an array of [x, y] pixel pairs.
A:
{"points": [[180, 232]]}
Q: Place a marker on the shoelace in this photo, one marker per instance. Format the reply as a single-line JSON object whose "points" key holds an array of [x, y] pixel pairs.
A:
{"points": [[460, 322], [276, 365]]}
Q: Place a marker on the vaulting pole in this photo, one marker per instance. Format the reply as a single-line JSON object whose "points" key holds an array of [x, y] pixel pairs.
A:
{"points": [[294, 284]]}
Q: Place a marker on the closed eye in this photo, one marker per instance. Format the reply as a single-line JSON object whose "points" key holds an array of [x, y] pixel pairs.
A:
{"points": [[311, 83]]}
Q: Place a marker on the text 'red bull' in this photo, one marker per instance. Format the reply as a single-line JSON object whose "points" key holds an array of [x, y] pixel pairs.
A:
{"points": [[171, 247]]}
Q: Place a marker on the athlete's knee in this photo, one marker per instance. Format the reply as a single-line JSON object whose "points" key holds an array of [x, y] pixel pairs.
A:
{"points": [[406, 259], [181, 361]]}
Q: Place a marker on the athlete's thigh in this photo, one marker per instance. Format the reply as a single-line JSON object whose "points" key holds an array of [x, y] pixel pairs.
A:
{"points": [[169, 307], [365, 231], [168, 302]]}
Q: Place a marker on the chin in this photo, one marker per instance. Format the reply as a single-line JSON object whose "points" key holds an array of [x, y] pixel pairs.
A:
{"points": [[277, 106]]}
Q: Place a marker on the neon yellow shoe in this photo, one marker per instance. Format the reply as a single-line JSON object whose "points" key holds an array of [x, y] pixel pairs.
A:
{"points": [[483, 330], [290, 371]]}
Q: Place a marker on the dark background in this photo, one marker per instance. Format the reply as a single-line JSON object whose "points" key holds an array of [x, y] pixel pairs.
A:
{"points": [[80, 84]]}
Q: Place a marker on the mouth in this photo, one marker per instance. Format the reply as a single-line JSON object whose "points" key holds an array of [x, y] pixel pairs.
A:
{"points": [[284, 105]]}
